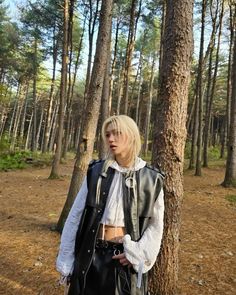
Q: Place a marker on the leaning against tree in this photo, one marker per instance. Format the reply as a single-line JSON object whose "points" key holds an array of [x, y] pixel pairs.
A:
{"points": [[113, 232]]}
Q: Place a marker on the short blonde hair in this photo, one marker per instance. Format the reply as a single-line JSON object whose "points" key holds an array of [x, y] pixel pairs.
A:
{"points": [[127, 126]]}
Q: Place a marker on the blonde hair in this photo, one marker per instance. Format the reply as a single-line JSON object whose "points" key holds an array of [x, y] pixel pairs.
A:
{"points": [[125, 125]]}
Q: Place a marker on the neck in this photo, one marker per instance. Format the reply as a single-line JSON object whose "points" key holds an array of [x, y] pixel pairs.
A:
{"points": [[124, 161]]}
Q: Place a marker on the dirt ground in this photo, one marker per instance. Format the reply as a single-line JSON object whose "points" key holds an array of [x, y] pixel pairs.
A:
{"points": [[31, 205]]}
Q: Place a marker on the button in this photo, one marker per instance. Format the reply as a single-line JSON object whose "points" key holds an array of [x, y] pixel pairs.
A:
{"points": [[89, 251], [93, 230], [83, 272], [104, 193], [99, 211]]}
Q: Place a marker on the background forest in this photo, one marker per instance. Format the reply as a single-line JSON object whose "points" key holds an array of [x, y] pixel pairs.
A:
{"points": [[66, 65], [31, 54]]}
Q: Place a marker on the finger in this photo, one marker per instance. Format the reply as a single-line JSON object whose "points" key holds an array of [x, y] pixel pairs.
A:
{"points": [[119, 256]]}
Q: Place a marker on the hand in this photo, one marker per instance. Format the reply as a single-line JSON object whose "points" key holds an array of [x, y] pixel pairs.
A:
{"points": [[123, 260]]}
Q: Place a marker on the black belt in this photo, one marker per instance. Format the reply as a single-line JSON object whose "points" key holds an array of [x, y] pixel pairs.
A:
{"points": [[117, 248]]}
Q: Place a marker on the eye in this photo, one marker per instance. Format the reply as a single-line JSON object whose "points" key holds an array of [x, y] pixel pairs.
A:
{"points": [[117, 133]]}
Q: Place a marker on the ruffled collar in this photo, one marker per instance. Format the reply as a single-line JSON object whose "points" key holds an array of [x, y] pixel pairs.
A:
{"points": [[139, 163]]}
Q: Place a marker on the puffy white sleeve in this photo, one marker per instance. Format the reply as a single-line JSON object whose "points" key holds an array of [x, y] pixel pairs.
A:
{"points": [[65, 258], [143, 253]]}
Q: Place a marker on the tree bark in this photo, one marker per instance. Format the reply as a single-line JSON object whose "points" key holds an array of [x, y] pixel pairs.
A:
{"points": [[35, 67], [209, 105], [57, 156], [51, 95], [230, 173], [129, 53], [85, 148], [170, 135], [149, 108], [199, 96]]}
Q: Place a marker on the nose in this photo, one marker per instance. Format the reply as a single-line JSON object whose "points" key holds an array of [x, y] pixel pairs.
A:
{"points": [[111, 137]]}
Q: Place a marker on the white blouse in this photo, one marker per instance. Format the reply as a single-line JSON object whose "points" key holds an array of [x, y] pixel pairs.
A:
{"points": [[141, 254]]}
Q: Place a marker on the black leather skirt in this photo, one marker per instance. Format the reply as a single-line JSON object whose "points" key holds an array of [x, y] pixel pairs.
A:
{"points": [[106, 276]]}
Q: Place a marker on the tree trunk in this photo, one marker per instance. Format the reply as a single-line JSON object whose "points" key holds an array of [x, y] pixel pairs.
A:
{"points": [[22, 92], [149, 108], [69, 88], [27, 141], [35, 67], [14, 110], [113, 67], [229, 83], [207, 119], [194, 135], [39, 130], [170, 135], [92, 21], [105, 98], [129, 53], [22, 127], [199, 96], [85, 148], [51, 95], [57, 156], [53, 127], [230, 174]]}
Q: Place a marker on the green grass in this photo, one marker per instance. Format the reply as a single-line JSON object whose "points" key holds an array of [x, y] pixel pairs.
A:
{"points": [[22, 159], [231, 199]]}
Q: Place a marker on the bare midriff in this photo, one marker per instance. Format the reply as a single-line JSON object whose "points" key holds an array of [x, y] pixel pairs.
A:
{"points": [[111, 233]]}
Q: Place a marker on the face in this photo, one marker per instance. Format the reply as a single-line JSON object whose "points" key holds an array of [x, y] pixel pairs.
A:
{"points": [[117, 142]]}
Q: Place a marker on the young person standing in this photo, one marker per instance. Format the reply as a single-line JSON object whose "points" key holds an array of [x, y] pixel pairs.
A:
{"points": [[113, 232]]}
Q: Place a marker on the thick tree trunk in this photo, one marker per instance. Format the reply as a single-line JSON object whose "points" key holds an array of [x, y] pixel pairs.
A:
{"points": [[57, 156], [170, 135], [85, 148]]}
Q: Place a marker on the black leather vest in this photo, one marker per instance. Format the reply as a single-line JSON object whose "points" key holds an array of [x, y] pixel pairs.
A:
{"points": [[138, 208]]}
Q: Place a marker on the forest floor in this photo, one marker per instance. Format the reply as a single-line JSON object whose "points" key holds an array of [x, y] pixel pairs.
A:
{"points": [[31, 205]]}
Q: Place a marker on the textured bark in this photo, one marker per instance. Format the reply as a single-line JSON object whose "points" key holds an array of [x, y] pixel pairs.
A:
{"points": [[86, 144], [170, 135], [57, 156], [104, 113]]}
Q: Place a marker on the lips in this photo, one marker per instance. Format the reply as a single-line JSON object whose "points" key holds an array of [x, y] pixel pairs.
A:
{"points": [[113, 146]]}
